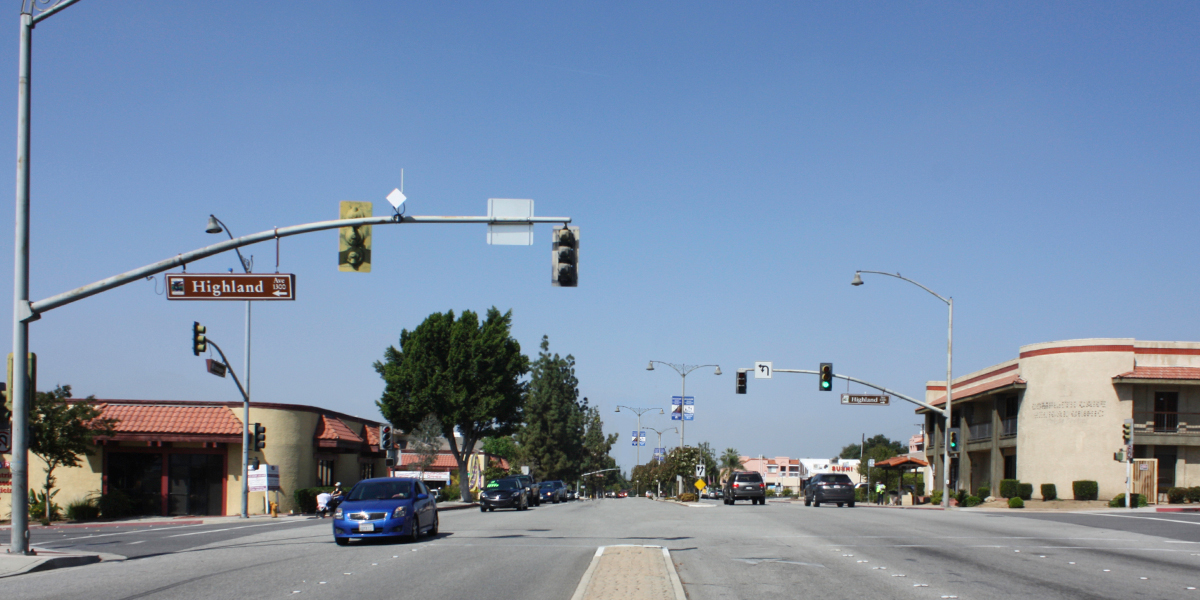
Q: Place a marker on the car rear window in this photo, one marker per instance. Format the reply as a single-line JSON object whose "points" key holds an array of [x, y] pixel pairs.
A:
{"points": [[752, 477], [836, 478]]}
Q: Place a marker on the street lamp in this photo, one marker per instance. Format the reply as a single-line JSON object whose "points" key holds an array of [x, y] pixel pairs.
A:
{"points": [[949, 376], [676, 429], [22, 312], [683, 371], [216, 226], [640, 412]]}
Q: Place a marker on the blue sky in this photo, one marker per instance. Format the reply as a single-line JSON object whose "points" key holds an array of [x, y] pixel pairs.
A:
{"points": [[730, 167]]}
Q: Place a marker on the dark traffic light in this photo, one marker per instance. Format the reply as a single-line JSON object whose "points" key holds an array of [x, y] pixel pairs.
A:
{"points": [[741, 382], [260, 436], [564, 257], [826, 372], [199, 342]]}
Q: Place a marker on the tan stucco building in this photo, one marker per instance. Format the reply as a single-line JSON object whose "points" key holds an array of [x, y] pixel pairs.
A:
{"points": [[184, 458], [1055, 415]]}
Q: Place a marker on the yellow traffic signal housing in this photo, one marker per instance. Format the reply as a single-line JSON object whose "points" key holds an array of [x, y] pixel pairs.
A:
{"points": [[354, 243], [199, 342]]}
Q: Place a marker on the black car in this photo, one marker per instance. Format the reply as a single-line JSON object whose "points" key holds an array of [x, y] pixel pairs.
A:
{"points": [[553, 491], [829, 487], [533, 490], [503, 493], [745, 485]]}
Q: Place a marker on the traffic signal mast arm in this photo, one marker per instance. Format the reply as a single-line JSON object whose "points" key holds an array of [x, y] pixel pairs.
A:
{"points": [[940, 411], [226, 361], [33, 311]]}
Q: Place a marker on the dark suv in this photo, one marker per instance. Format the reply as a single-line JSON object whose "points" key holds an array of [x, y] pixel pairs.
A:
{"points": [[829, 487], [745, 485]]}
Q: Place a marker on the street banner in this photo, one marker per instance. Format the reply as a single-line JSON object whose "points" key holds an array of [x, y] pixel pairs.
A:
{"points": [[683, 409]]}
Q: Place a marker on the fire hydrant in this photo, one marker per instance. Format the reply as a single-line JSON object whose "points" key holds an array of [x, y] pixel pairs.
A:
{"points": [[274, 510]]}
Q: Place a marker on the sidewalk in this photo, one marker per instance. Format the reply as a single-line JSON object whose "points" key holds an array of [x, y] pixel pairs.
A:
{"points": [[44, 560]]}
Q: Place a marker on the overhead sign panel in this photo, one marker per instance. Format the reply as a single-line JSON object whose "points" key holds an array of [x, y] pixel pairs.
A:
{"points": [[510, 234], [231, 286], [762, 369], [866, 399]]}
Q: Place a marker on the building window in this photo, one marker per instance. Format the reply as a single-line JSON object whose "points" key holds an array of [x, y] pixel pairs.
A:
{"points": [[1166, 412], [1008, 419], [324, 472], [979, 422], [772, 469], [1010, 466], [366, 470]]}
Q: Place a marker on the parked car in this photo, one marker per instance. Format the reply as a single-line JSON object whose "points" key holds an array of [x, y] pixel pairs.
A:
{"points": [[553, 491], [532, 489], [571, 495], [745, 485], [829, 487], [623, 494], [507, 492], [385, 507]]}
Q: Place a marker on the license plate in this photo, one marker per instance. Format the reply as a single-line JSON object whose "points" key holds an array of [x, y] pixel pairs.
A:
{"points": [[366, 527]]}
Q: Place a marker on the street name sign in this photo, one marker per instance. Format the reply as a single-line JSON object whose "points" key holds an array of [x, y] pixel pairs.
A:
{"points": [[863, 399], [216, 367], [762, 369], [231, 286]]}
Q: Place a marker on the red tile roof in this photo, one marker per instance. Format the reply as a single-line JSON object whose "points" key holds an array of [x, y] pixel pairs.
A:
{"points": [[896, 462], [372, 435], [962, 394], [330, 428], [1161, 373], [443, 460], [185, 420]]}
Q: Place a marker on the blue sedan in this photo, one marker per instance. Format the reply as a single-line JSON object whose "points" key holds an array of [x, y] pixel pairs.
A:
{"points": [[385, 507]]}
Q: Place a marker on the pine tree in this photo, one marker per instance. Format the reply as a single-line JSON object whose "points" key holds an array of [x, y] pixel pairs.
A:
{"points": [[552, 438]]}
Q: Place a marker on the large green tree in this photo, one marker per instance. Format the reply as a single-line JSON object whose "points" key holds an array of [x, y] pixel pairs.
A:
{"points": [[465, 372], [62, 431], [597, 447], [875, 441], [730, 461], [551, 441]]}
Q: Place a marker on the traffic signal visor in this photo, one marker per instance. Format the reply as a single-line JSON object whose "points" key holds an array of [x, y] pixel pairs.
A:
{"points": [[199, 342]]}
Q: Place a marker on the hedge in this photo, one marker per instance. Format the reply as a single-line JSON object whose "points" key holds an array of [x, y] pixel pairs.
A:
{"points": [[1085, 490], [1193, 494], [1049, 492], [973, 501], [983, 491], [1118, 501], [1176, 495], [1025, 491], [687, 497], [306, 499], [1016, 503], [1009, 488]]}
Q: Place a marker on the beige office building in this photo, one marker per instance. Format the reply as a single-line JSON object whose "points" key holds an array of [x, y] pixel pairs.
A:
{"points": [[1054, 414]]}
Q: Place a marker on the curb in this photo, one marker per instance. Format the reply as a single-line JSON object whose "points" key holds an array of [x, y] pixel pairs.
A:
{"points": [[1180, 509], [857, 505]]}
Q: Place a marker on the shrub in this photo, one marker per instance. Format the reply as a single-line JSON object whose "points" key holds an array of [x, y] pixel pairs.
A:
{"points": [[961, 497], [1049, 492], [973, 501], [770, 492], [1025, 491], [936, 497], [1085, 490], [1193, 494], [114, 505], [687, 497], [983, 491], [37, 505], [306, 498], [85, 509], [1016, 503], [1118, 501], [1176, 495], [1009, 488]]}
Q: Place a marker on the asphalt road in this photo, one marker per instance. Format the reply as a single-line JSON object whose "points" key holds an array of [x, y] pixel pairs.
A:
{"points": [[740, 551], [142, 540]]}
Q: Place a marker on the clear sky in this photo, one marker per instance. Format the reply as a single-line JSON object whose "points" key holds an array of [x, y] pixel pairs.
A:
{"points": [[730, 165]]}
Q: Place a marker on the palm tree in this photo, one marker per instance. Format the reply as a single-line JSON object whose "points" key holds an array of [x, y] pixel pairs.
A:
{"points": [[731, 460]]}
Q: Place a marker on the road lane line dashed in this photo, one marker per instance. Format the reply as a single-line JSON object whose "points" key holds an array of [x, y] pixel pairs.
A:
{"points": [[226, 529]]}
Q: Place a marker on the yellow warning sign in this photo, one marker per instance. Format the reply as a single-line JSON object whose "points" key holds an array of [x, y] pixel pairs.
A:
{"points": [[700, 485]]}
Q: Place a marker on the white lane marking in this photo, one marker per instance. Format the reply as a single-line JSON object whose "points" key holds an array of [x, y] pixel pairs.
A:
{"points": [[1148, 518], [226, 529], [88, 537], [137, 542]]}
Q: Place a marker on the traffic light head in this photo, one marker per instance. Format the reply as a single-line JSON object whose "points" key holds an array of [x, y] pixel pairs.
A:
{"points": [[826, 372], [199, 342], [954, 439], [564, 259], [354, 243], [260, 436], [385, 438], [1127, 432], [741, 382]]}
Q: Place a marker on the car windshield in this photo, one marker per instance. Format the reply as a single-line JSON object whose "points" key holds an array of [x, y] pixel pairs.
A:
{"points": [[503, 484], [382, 490]]}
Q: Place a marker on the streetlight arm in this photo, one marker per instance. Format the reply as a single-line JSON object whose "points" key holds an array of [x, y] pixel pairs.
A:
{"points": [[683, 370], [45, 14], [899, 276], [246, 264]]}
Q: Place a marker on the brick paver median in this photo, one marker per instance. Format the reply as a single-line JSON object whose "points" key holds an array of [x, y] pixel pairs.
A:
{"points": [[630, 573]]}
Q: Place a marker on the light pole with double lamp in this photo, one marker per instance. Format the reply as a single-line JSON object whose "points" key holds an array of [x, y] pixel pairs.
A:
{"points": [[683, 371], [949, 376], [637, 442], [675, 429]]}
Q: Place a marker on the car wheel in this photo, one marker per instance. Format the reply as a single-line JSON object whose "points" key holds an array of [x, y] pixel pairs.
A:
{"points": [[807, 502], [850, 504], [433, 531], [341, 541], [482, 508], [816, 504], [839, 504], [414, 534]]}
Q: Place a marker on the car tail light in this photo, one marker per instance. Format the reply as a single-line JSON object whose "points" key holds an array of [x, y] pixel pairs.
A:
{"points": [[736, 485]]}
